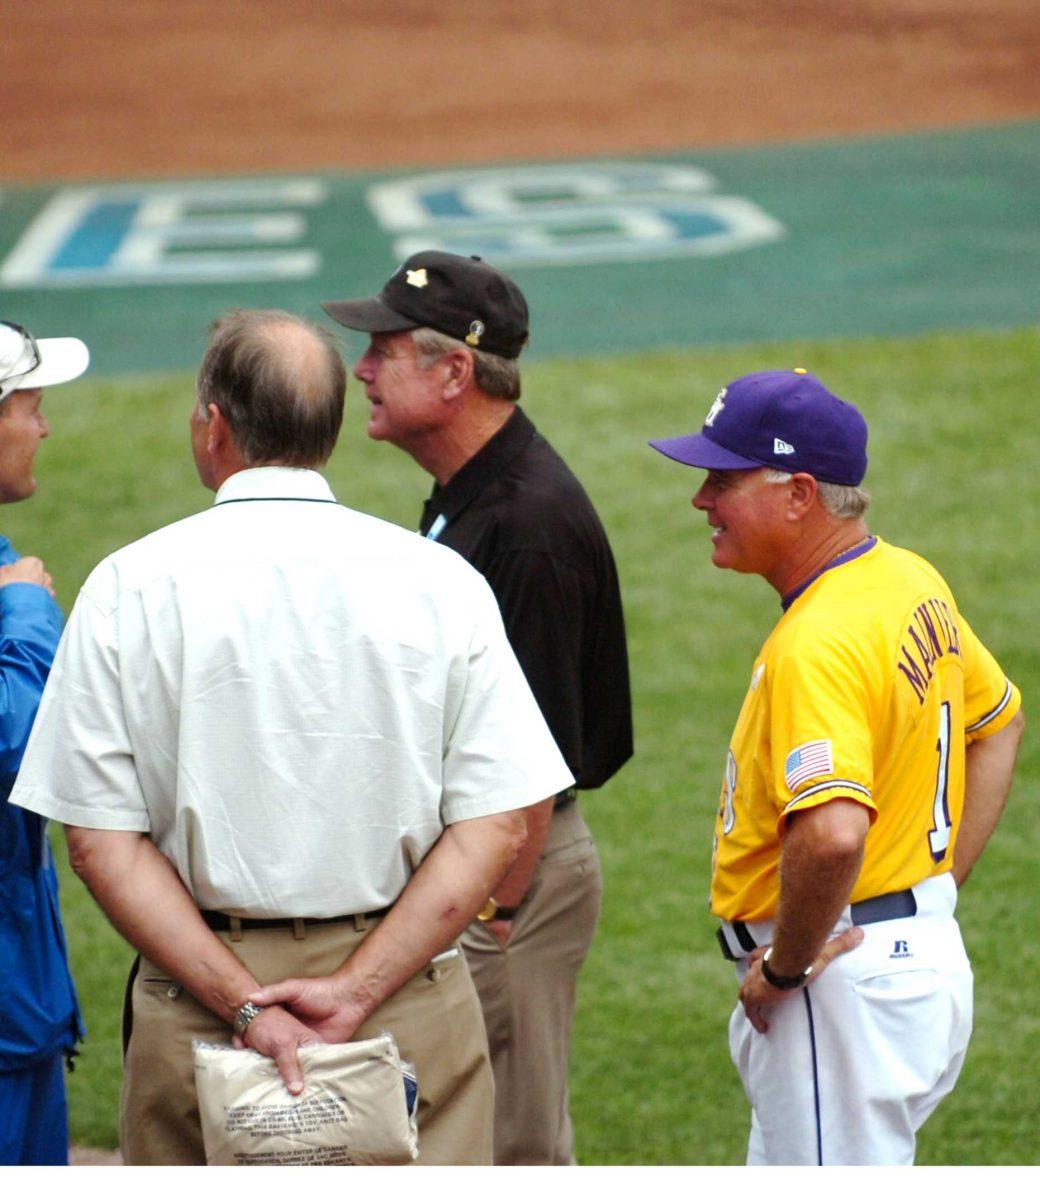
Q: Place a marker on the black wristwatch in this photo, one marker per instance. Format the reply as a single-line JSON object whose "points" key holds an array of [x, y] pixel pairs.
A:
{"points": [[784, 983]]}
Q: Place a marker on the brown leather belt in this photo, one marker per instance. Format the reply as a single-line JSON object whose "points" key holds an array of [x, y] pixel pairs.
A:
{"points": [[221, 922]]}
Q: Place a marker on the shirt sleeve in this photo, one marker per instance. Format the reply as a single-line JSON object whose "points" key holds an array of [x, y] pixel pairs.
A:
{"points": [[543, 604], [78, 766], [499, 754], [990, 698], [30, 628], [820, 726]]}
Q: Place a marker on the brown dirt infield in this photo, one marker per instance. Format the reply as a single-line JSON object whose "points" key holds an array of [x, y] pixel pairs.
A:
{"points": [[109, 88]]}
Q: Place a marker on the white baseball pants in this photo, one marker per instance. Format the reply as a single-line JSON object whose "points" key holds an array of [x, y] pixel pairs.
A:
{"points": [[854, 1063]]}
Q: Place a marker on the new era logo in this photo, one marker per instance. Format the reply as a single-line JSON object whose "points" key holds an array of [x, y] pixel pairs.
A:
{"points": [[780, 447]]}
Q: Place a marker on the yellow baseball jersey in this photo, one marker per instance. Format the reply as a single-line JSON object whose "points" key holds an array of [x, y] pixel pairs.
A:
{"points": [[869, 688]]}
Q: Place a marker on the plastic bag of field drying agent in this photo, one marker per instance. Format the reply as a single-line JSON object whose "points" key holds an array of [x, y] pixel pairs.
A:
{"points": [[357, 1106]]}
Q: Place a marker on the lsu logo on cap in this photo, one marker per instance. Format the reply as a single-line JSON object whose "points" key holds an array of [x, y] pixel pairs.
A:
{"points": [[716, 407]]}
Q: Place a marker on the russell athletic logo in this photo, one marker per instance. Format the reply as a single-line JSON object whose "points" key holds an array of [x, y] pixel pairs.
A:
{"points": [[901, 949]]}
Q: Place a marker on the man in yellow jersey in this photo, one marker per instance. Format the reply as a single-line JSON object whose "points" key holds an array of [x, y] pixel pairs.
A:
{"points": [[869, 766]]}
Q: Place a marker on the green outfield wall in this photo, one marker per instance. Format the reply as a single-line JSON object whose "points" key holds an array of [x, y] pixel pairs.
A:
{"points": [[893, 235]]}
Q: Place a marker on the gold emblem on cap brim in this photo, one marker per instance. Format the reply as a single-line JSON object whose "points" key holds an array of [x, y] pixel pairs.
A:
{"points": [[476, 331], [417, 278]]}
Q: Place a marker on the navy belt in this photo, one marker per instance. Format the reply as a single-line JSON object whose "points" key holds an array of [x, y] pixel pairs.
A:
{"points": [[221, 922], [889, 907]]}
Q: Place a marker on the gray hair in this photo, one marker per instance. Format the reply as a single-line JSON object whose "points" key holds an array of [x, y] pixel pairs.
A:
{"points": [[838, 499], [496, 376], [279, 382]]}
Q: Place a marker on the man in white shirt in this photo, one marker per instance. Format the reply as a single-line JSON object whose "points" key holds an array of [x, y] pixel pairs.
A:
{"points": [[288, 739]]}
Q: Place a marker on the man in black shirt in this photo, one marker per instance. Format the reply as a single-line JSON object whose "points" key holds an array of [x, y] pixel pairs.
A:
{"points": [[442, 379]]}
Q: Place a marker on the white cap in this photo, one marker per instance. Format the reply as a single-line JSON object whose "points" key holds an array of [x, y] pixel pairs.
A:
{"points": [[60, 359]]}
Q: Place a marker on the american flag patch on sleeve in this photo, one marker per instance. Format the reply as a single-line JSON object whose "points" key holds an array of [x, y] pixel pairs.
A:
{"points": [[807, 760]]}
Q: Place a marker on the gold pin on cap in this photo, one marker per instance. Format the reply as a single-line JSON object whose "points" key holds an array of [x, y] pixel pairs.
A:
{"points": [[476, 331]]}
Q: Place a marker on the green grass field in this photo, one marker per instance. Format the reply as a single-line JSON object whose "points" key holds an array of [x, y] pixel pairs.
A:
{"points": [[955, 449]]}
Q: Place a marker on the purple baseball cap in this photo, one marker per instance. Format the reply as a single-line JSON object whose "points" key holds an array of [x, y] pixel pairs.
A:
{"points": [[782, 419]]}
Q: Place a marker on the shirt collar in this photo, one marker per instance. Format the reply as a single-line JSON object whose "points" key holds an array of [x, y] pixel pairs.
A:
{"points": [[847, 557], [484, 467], [275, 483]]}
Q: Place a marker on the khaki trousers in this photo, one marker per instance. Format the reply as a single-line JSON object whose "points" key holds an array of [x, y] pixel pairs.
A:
{"points": [[527, 992], [435, 1018]]}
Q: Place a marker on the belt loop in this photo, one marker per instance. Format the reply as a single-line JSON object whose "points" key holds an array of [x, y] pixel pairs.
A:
{"points": [[299, 930], [360, 922], [727, 953], [744, 937], [235, 925]]}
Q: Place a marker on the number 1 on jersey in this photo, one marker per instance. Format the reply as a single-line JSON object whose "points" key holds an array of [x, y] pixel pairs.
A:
{"points": [[939, 838]]}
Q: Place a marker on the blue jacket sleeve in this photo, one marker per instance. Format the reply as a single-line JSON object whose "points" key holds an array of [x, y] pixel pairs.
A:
{"points": [[30, 628]]}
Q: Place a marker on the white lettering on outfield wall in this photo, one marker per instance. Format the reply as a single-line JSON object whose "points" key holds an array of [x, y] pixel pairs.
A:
{"points": [[205, 232], [570, 214]]}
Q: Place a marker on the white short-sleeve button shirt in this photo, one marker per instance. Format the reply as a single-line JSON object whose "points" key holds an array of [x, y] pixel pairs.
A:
{"points": [[293, 699]]}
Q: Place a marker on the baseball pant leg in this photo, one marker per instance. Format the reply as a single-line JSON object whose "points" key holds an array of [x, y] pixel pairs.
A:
{"points": [[435, 1019], [853, 1065], [527, 992]]}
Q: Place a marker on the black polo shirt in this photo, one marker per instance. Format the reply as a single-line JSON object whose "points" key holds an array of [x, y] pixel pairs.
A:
{"points": [[518, 515]]}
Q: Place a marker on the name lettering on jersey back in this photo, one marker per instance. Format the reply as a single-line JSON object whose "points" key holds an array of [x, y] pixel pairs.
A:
{"points": [[931, 635]]}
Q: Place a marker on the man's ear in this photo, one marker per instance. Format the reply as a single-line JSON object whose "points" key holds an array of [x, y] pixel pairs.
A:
{"points": [[457, 365], [801, 497], [218, 432]]}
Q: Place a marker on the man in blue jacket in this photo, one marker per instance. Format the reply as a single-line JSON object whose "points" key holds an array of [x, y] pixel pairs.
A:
{"points": [[39, 1018]]}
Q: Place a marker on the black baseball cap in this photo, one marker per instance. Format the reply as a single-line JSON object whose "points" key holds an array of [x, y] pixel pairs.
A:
{"points": [[465, 298], [783, 419]]}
